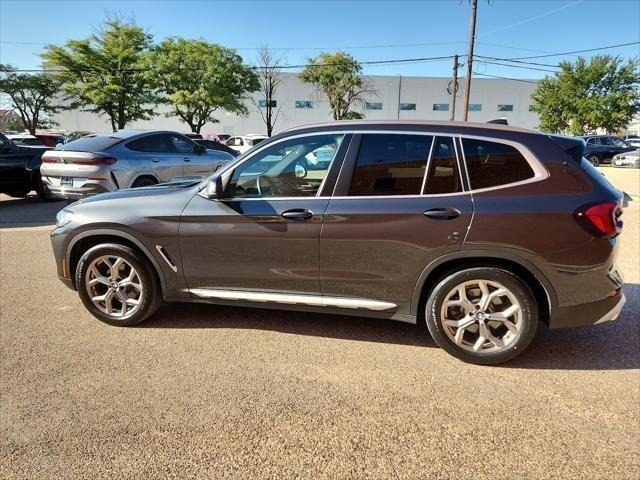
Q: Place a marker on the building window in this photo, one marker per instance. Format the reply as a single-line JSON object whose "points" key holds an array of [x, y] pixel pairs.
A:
{"points": [[304, 104], [505, 108], [440, 107], [407, 106], [263, 103], [475, 107], [373, 106]]}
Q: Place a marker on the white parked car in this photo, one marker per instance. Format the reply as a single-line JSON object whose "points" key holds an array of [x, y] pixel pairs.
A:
{"points": [[627, 160], [242, 143], [25, 140], [633, 141]]}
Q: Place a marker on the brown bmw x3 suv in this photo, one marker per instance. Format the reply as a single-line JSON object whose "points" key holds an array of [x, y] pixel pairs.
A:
{"points": [[476, 232]]}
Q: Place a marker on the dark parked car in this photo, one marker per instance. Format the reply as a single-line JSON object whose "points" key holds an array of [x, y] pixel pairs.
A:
{"points": [[213, 145], [51, 139], [602, 148], [480, 232], [20, 170]]}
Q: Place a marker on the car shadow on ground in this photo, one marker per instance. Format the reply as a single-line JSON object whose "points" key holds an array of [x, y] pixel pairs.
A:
{"points": [[28, 212], [196, 315], [609, 346]]}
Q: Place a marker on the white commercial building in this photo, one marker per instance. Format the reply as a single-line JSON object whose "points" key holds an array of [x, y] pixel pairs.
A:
{"points": [[396, 97]]}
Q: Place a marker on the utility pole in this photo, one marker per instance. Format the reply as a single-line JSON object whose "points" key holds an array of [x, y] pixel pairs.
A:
{"points": [[472, 40], [454, 87]]}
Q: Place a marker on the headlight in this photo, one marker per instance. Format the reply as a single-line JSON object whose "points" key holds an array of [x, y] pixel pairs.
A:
{"points": [[63, 217]]}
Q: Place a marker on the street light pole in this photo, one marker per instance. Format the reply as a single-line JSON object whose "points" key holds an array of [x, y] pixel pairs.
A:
{"points": [[472, 39]]}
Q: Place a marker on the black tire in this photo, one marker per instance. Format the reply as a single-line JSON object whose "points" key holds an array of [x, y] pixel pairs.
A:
{"points": [[144, 182], [18, 193], [43, 191], [151, 297], [594, 159], [522, 293]]}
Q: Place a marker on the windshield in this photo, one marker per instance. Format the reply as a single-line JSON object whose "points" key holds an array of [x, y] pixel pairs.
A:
{"points": [[618, 142]]}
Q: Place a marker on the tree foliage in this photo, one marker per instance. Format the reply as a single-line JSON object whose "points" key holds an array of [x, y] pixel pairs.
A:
{"points": [[269, 74], [108, 73], [33, 96], [589, 95], [197, 78], [339, 77]]}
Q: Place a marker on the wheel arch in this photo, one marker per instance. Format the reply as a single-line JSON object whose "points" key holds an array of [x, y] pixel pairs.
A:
{"points": [[540, 286], [84, 241], [145, 175]]}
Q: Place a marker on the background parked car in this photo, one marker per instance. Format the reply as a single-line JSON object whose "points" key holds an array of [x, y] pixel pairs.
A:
{"points": [[51, 139], [633, 140], [213, 145], [244, 142], [627, 160], [77, 134], [106, 162], [217, 137], [25, 139], [601, 148], [20, 170]]}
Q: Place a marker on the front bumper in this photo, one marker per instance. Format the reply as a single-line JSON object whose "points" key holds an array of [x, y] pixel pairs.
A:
{"points": [[592, 313]]}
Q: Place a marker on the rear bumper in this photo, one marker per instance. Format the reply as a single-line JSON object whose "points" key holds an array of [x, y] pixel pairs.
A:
{"points": [[589, 313], [81, 187]]}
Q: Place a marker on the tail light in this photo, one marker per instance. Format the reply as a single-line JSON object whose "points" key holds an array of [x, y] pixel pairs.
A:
{"points": [[48, 160], [600, 219], [95, 161]]}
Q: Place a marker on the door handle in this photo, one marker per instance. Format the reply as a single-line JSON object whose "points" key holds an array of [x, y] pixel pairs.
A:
{"points": [[442, 213], [297, 214], [186, 159], [155, 160]]}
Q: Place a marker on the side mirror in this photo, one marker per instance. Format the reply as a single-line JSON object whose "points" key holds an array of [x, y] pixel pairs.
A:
{"points": [[300, 171], [214, 188]]}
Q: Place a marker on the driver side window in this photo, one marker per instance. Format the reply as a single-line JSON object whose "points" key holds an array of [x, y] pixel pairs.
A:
{"points": [[293, 168]]}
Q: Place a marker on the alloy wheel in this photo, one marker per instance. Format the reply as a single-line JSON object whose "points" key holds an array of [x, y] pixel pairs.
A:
{"points": [[114, 286], [481, 316]]}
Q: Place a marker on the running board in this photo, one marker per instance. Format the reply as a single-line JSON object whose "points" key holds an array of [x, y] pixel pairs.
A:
{"points": [[293, 299]]}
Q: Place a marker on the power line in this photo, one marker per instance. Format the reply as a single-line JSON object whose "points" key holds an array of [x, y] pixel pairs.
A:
{"points": [[531, 19], [575, 51], [481, 57], [305, 65], [519, 66], [505, 78]]}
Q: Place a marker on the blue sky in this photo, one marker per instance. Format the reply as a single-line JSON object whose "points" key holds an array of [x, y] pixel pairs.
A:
{"points": [[365, 29]]}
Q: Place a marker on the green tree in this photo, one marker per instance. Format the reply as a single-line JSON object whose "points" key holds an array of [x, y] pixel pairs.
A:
{"points": [[197, 78], [33, 96], [588, 95], [339, 77], [108, 73]]}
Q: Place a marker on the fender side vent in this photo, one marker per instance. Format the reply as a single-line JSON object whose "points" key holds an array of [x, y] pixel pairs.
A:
{"points": [[166, 257]]}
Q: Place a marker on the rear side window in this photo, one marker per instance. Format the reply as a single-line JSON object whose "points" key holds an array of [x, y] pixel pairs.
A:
{"points": [[490, 164], [96, 143], [160, 143], [443, 174], [392, 164]]}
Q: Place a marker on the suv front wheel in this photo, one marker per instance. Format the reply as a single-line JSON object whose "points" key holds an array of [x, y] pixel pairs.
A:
{"points": [[482, 315], [117, 285]]}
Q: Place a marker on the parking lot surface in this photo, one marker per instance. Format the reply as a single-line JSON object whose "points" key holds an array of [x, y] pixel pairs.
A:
{"points": [[203, 391]]}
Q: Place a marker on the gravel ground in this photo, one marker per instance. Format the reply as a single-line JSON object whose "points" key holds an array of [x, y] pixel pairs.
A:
{"points": [[218, 392]]}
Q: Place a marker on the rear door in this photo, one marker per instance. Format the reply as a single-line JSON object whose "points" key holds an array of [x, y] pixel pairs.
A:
{"points": [[399, 204], [158, 149]]}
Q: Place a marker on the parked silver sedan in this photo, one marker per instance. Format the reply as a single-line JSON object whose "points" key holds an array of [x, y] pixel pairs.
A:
{"points": [[106, 162], [627, 160]]}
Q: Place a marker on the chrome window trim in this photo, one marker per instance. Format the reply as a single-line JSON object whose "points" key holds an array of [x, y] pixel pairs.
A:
{"points": [[540, 172]]}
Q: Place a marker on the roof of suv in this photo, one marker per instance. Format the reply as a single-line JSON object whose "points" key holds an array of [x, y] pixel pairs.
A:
{"points": [[436, 123]]}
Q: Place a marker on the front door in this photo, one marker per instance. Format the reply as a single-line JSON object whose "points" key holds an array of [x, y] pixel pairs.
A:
{"points": [[158, 153], [262, 236], [399, 205]]}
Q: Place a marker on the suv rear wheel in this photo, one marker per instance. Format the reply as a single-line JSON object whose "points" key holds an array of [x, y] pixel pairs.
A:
{"points": [[116, 285], [482, 315], [594, 159]]}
